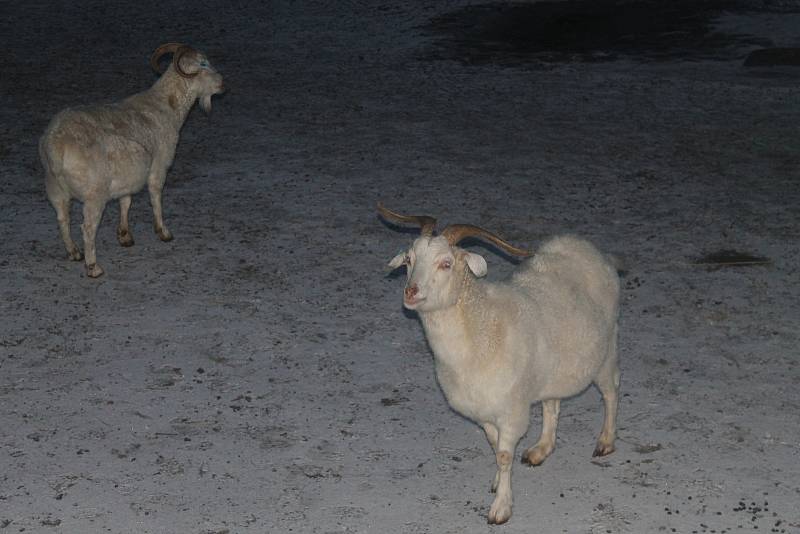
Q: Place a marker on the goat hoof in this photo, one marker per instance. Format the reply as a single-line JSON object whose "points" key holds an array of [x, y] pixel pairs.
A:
{"points": [[531, 463], [125, 238], [602, 450], [500, 512], [94, 271], [535, 456], [75, 255], [497, 521], [164, 235]]}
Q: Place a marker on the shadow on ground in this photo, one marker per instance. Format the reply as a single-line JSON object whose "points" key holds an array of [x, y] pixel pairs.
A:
{"points": [[591, 31]]}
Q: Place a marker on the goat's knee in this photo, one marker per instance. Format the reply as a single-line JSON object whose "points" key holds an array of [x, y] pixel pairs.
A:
{"points": [[504, 459]]}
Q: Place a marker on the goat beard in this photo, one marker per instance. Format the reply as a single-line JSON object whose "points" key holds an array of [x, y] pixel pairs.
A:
{"points": [[205, 103]]}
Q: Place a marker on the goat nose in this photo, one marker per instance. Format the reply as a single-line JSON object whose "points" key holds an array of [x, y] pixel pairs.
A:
{"points": [[410, 291]]}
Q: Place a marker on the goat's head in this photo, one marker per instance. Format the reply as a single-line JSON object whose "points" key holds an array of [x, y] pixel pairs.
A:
{"points": [[436, 268], [195, 67]]}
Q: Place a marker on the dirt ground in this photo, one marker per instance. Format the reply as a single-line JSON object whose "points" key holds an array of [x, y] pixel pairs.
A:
{"points": [[259, 374]]}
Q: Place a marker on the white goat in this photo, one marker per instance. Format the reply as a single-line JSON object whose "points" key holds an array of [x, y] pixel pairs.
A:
{"points": [[543, 335], [110, 151]]}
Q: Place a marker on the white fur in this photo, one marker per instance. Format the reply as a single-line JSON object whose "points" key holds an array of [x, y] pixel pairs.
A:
{"points": [[545, 334], [110, 151]]}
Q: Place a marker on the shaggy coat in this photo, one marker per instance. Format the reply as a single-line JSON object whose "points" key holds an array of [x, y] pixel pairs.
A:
{"points": [[102, 152], [545, 334]]}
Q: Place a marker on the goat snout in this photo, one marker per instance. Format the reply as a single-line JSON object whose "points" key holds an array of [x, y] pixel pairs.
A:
{"points": [[411, 291], [411, 296]]}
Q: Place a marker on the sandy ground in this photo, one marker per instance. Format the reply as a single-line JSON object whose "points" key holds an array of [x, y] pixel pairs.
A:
{"points": [[258, 373]]}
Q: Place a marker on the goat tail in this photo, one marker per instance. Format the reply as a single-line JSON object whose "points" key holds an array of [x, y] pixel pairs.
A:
{"points": [[617, 262]]}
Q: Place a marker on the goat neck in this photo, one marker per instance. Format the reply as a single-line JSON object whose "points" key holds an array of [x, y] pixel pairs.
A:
{"points": [[452, 330], [177, 92]]}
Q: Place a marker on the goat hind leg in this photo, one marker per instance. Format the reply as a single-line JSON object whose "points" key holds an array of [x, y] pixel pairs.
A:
{"points": [[158, 216], [608, 384], [547, 442], [92, 213], [124, 235], [61, 205]]}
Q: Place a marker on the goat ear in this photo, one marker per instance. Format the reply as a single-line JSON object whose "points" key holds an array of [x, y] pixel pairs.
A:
{"points": [[396, 262], [476, 264]]}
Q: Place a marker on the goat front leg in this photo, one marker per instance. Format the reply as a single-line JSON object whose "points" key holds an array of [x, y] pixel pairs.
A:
{"points": [[547, 442], [123, 230], [492, 435], [508, 437], [155, 185], [92, 213]]}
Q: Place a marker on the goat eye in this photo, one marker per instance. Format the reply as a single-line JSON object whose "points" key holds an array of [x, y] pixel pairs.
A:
{"points": [[204, 64], [446, 264]]}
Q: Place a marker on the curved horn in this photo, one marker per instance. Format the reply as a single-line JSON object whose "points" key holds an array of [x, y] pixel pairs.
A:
{"points": [[176, 60], [160, 51], [177, 50], [426, 223], [456, 232]]}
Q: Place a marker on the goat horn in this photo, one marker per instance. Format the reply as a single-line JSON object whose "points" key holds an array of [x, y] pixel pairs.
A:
{"points": [[176, 60], [160, 51], [177, 50], [456, 232], [426, 223]]}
